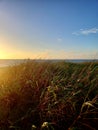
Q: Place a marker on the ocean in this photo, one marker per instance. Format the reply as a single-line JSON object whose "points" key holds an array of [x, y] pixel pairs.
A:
{"points": [[11, 62]]}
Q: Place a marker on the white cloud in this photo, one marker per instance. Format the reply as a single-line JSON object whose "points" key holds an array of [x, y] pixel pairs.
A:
{"points": [[76, 33], [86, 31], [59, 39], [89, 31]]}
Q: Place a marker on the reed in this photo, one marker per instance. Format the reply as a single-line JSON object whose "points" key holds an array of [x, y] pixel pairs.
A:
{"points": [[49, 96]]}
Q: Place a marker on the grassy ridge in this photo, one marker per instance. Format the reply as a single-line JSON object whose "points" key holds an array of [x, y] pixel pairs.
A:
{"points": [[49, 96]]}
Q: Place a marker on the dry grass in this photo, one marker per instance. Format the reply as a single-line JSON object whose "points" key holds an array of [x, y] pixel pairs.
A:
{"points": [[50, 96]]}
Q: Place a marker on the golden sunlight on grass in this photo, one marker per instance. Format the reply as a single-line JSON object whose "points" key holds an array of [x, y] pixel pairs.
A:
{"points": [[49, 96]]}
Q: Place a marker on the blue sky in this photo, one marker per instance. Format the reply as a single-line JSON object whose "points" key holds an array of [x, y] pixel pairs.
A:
{"points": [[50, 29]]}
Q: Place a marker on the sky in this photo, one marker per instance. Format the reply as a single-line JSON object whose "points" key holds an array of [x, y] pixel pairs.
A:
{"points": [[49, 29]]}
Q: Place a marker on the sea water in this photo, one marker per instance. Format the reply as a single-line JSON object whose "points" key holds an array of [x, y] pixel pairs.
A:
{"points": [[11, 62]]}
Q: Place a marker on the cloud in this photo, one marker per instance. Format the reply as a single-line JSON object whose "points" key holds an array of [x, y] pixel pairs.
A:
{"points": [[89, 31], [86, 31], [76, 33], [59, 39]]}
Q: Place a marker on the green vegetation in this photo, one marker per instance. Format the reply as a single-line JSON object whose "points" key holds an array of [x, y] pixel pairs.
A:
{"points": [[49, 96]]}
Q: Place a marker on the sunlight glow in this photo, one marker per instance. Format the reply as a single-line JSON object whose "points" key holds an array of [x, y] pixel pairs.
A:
{"points": [[2, 54]]}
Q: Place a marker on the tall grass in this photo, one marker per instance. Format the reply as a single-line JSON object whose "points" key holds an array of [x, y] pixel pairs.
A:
{"points": [[50, 96]]}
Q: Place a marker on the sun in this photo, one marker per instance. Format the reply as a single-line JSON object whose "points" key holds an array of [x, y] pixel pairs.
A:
{"points": [[3, 54]]}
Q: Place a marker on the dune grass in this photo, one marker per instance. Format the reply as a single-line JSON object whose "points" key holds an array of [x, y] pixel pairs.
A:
{"points": [[49, 96]]}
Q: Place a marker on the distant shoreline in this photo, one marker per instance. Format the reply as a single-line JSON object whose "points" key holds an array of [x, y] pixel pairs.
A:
{"points": [[10, 62]]}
